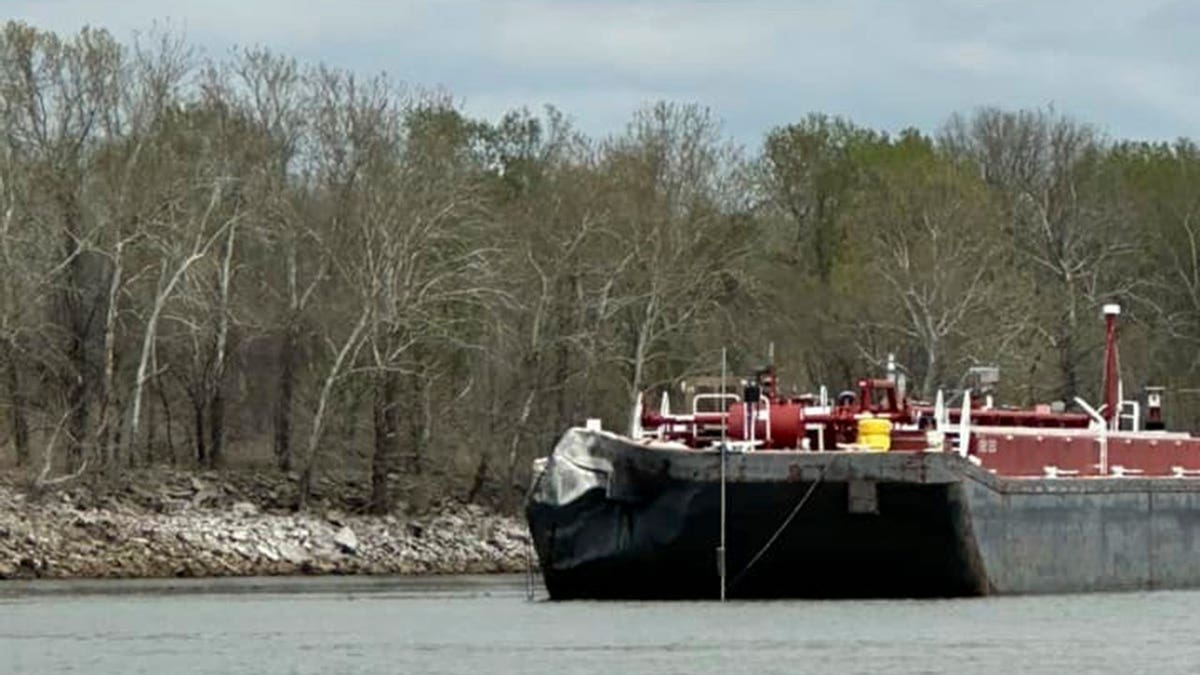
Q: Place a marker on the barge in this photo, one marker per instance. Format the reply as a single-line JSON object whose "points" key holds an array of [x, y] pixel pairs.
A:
{"points": [[868, 494]]}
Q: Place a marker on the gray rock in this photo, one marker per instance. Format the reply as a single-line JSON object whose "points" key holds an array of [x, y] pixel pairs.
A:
{"points": [[268, 553], [244, 509], [346, 540], [205, 497], [292, 553]]}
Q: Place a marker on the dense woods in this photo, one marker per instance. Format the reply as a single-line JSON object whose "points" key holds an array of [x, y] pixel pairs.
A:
{"points": [[255, 262]]}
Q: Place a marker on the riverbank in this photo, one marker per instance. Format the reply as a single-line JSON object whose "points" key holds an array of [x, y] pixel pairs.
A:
{"points": [[203, 525]]}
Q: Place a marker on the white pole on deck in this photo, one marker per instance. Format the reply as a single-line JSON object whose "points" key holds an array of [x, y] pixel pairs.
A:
{"points": [[725, 417], [721, 548], [964, 424]]}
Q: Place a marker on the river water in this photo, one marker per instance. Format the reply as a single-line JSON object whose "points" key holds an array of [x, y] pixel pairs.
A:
{"points": [[486, 625]]}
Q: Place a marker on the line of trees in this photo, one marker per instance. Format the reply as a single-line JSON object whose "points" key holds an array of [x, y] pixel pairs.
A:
{"points": [[253, 261]]}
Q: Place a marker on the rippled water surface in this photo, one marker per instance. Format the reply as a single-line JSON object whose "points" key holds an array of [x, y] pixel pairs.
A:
{"points": [[486, 625]]}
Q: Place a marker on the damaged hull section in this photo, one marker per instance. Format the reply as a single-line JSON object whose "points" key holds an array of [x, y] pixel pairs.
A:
{"points": [[612, 518]]}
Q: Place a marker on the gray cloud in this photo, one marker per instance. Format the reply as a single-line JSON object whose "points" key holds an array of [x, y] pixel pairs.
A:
{"points": [[1128, 67]]}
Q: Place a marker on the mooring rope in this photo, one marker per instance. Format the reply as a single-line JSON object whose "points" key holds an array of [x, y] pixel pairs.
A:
{"points": [[787, 521]]}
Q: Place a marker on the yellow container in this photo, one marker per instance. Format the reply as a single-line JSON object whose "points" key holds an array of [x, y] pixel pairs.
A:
{"points": [[875, 433]]}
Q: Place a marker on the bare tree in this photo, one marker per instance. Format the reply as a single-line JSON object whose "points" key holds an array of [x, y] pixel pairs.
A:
{"points": [[357, 134], [1159, 183], [272, 92], [126, 192], [56, 93], [431, 266], [1050, 174], [672, 187], [177, 255], [552, 333], [929, 274], [18, 292]]}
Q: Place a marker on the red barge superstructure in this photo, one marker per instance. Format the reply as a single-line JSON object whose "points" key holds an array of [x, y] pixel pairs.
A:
{"points": [[1112, 440], [867, 493]]}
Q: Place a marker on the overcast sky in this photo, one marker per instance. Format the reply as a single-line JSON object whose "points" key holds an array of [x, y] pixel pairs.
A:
{"points": [[1132, 67]]}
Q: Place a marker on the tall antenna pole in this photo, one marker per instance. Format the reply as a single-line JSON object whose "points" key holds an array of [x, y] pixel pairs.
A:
{"points": [[1112, 373], [724, 418]]}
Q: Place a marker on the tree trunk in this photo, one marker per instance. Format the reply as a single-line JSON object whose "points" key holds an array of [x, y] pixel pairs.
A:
{"points": [[351, 401], [635, 383], [113, 436], [419, 423], [151, 334], [518, 434], [216, 426], [562, 373], [1068, 371], [569, 326], [166, 406], [74, 317], [1068, 359], [929, 382], [283, 405], [344, 354], [216, 402], [198, 426], [480, 479], [109, 431], [77, 401], [387, 427], [151, 434], [112, 422], [16, 415]]}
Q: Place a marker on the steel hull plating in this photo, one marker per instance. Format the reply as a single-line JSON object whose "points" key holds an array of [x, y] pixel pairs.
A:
{"points": [[614, 519]]}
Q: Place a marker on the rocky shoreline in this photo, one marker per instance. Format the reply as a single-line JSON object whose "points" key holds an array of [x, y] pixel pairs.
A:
{"points": [[215, 525]]}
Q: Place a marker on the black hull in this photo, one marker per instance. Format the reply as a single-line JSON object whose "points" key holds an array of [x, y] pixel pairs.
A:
{"points": [[612, 519]]}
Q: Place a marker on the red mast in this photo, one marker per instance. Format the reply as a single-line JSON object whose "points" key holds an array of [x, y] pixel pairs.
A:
{"points": [[1112, 374]]}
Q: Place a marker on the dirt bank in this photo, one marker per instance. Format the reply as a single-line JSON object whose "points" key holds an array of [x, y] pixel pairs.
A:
{"points": [[179, 524]]}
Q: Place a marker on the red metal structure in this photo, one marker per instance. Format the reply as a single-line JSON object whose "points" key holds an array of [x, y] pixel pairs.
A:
{"points": [[1035, 443]]}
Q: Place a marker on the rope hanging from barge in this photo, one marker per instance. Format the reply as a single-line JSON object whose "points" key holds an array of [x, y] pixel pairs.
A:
{"points": [[787, 521]]}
